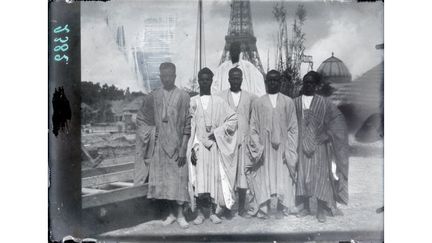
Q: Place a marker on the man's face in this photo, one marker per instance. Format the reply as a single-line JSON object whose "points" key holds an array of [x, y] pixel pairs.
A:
{"points": [[273, 84], [309, 86], [235, 54], [235, 80], [167, 77], [205, 81]]}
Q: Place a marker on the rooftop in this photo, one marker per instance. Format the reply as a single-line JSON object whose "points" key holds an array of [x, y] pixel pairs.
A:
{"points": [[334, 70]]}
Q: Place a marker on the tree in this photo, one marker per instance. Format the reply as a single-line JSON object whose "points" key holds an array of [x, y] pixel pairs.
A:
{"points": [[325, 89], [99, 98], [297, 43], [290, 53], [282, 51]]}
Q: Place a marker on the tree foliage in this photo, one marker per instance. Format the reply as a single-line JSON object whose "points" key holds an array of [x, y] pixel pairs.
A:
{"points": [[91, 93], [98, 99], [293, 50]]}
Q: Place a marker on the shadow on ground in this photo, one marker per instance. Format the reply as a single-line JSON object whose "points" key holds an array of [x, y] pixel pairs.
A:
{"points": [[119, 215], [365, 150]]}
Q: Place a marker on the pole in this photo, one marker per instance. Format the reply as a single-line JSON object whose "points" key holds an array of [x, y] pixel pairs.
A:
{"points": [[200, 33]]}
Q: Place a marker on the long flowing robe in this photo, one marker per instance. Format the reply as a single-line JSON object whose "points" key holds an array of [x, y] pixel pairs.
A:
{"points": [[215, 168], [273, 137], [322, 138], [253, 79], [171, 121], [243, 110], [145, 140]]}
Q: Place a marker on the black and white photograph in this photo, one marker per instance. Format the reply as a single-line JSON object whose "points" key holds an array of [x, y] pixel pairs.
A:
{"points": [[216, 120]]}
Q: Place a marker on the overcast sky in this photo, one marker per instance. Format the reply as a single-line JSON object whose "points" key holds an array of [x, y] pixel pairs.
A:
{"points": [[350, 30]]}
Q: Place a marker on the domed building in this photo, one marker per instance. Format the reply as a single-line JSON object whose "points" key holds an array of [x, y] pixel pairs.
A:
{"points": [[333, 70]]}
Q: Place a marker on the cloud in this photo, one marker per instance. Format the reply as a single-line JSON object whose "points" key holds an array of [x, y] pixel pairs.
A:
{"points": [[352, 38], [102, 61], [350, 30]]}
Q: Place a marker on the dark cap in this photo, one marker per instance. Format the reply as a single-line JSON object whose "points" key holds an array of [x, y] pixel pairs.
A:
{"points": [[273, 73], [316, 76], [205, 70]]}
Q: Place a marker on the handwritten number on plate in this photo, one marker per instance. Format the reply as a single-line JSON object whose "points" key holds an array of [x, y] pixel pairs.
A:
{"points": [[62, 29], [61, 40]]}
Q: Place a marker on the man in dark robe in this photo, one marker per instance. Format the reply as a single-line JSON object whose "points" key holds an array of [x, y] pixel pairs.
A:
{"points": [[241, 102], [163, 125], [273, 149], [322, 151]]}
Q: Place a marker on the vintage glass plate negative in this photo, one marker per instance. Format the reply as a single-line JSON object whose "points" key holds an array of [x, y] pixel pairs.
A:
{"points": [[233, 120]]}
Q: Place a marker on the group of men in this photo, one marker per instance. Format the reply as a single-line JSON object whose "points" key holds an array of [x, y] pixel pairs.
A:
{"points": [[260, 155]]}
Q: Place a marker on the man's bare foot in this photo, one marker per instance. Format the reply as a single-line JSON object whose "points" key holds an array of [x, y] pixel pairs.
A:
{"points": [[169, 220], [244, 214], [215, 219], [278, 215], [219, 210], [303, 213], [321, 217], [262, 215], [199, 219], [337, 212], [291, 211], [182, 222]]}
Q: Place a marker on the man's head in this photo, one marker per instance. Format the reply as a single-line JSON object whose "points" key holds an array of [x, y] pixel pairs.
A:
{"points": [[311, 82], [235, 52], [205, 80], [273, 81], [235, 78], [167, 74]]}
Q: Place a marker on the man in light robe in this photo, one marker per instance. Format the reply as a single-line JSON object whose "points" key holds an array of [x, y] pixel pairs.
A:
{"points": [[211, 150], [253, 80], [273, 145], [163, 130], [322, 150], [241, 102]]}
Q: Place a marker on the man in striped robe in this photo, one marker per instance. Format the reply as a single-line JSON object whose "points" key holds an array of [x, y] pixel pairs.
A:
{"points": [[322, 151], [272, 146], [241, 102]]}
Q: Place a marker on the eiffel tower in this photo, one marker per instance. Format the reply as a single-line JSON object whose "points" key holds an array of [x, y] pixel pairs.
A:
{"points": [[240, 30]]}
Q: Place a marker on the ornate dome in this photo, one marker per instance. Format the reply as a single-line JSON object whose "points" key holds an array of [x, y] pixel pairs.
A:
{"points": [[334, 71]]}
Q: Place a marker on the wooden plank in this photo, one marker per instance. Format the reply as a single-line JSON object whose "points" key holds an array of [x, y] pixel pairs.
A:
{"points": [[91, 190], [95, 162], [107, 178], [122, 184], [107, 169], [118, 160], [117, 195]]}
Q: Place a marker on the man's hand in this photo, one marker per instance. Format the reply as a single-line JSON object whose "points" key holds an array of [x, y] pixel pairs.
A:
{"points": [[193, 157], [212, 137], [334, 169], [249, 170], [181, 161], [293, 173], [181, 158]]}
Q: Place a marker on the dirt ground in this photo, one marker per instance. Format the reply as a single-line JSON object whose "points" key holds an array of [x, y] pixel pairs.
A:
{"points": [[366, 196]]}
